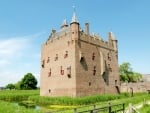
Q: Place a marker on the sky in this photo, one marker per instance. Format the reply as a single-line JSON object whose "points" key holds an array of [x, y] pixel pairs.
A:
{"points": [[26, 24]]}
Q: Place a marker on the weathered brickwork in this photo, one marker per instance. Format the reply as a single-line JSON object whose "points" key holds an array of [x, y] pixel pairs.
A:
{"points": [[75, 63], [143, 86]]}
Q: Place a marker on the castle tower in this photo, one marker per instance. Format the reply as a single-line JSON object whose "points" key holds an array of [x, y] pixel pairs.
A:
{"points": [[76, 63], [74, 27]]}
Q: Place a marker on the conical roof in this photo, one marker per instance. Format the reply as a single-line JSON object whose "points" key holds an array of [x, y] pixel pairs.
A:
{"points": [[74, 18], [112, 36], [64, 23]]}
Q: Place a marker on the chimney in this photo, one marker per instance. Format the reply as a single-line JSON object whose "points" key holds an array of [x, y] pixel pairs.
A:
{"points": [[87, 28]]}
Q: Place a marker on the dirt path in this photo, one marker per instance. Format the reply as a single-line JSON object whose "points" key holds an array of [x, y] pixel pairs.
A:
{"points": [[135, 107]]}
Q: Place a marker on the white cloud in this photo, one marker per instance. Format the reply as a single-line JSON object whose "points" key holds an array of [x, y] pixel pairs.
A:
{"points": [[9, 47], [18, 56]]}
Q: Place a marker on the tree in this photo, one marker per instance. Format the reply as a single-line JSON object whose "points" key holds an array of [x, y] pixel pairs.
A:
{"points": [[28, 82], [126, 73], [10, 86], [17, 85]]}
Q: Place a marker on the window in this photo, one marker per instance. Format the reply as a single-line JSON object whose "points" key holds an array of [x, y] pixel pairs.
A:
{"points": [[61, 71], [56, 57], [49, 73], [49, 90], [66, 54], [93, 56], [48, 59], [43, 63], [81, 56], [69, 71], [94, 70], [89, 83]]}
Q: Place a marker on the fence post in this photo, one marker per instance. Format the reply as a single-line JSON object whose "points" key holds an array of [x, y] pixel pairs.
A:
{"points": [[75, 110], [123, 107], [130, 108], [94, 106], [91, 111], [109, 108]]}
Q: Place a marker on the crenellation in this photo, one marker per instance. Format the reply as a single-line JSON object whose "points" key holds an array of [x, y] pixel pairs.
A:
{"points": [[95, 40]]}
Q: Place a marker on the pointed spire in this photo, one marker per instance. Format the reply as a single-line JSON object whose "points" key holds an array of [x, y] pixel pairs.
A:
{"points": [[74, 18], [112, 36], [64, 24]]}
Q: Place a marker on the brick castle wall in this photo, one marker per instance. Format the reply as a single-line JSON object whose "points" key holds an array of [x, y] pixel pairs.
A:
{"points": [[74, 63]]}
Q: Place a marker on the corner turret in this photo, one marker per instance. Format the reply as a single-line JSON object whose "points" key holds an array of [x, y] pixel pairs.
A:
{"points": [[74, 27], [113, 41]]}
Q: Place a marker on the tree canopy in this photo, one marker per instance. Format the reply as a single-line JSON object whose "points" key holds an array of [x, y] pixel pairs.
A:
{"points": [[28, 82], [10, 86], [127, 74]]}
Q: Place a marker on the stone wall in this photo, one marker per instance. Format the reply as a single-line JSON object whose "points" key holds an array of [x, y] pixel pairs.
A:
{"points": [[55, 80], [137, 87]]}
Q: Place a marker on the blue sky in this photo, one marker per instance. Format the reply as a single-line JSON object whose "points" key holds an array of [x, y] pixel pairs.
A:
{"points": [[26, 24]]}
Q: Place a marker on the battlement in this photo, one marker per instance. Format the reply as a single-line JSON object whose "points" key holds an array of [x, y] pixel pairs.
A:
{"points": [[58, 35], [95, 40], [83, 36]]}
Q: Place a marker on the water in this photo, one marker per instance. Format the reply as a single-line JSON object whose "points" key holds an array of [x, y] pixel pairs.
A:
{"points": [[36, 107]]}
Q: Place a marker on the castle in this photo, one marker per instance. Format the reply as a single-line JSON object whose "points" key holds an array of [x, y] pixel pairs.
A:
{"points": [[75, 63]]}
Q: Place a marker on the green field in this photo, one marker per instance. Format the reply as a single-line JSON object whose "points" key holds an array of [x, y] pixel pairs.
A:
{"points": [[9, 100]]}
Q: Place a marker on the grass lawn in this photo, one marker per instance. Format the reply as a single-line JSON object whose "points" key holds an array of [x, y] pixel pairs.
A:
{"points": [[62, 103]]}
